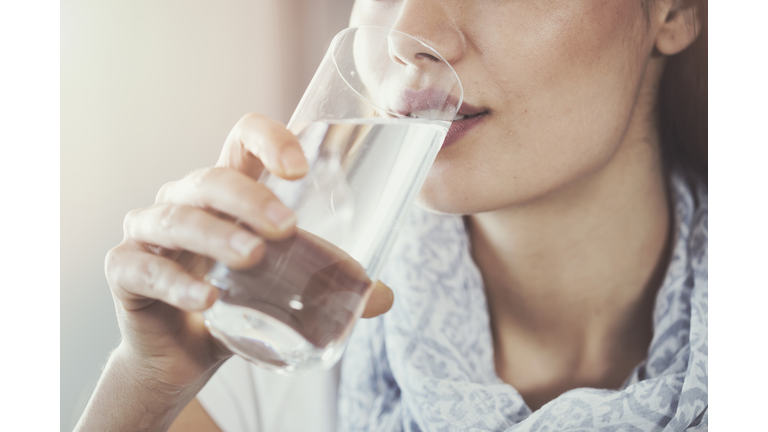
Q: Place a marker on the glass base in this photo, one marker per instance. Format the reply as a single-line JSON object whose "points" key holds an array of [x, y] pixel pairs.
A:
{"points": [[268, 342]]}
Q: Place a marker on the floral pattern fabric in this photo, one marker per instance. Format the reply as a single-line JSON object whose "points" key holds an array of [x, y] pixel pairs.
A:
{"points": [[427, 365]]}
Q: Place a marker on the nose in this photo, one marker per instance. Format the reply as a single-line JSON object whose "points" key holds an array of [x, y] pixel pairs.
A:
{"points": [[429, 21]]}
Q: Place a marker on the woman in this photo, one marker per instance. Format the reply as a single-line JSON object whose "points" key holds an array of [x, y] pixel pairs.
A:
{"points": [[580, 266]]}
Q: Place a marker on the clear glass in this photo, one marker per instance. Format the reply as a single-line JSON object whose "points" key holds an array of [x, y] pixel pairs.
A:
{"points": [[370, 124]]}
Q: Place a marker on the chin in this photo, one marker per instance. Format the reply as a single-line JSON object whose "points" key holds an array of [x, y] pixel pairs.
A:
{"points": [[456, 205], [448, 190], [432, 207], [443, 198], [459, 192]]}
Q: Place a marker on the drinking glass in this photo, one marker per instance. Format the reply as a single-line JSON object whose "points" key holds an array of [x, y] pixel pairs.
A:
{"points": [[370, 124]]}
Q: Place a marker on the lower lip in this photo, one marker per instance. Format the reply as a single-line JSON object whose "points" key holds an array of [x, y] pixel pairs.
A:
{"points": [[459, 128]]}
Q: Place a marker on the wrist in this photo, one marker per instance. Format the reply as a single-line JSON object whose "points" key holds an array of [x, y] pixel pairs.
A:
{"points": [[147, 376], [174, 370], [134, 395]]}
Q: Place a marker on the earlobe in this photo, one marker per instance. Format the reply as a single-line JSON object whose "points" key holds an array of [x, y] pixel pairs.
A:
{"points": [[678, 31]]}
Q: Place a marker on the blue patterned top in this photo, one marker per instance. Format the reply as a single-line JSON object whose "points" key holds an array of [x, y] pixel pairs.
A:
{"points": [[427, 365]]}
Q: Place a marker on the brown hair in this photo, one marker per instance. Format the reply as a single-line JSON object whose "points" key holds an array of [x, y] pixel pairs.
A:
{"points": [[682, 105]]}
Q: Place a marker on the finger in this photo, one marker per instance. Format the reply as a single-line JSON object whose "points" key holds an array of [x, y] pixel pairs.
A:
{"points": [[380, 301], [138, 278], [257, 141], [180, 227], [235, 194]]}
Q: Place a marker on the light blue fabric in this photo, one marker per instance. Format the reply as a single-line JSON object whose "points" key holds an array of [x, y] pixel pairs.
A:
{"points": [[427, 365]]}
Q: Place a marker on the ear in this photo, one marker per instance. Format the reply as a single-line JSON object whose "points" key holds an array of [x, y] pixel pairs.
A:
{"points": [[678, 30]]}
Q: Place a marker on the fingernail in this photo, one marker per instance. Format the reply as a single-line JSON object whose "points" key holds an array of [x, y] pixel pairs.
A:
{"points": [[294, 162], [281, 216], [244, 242]]}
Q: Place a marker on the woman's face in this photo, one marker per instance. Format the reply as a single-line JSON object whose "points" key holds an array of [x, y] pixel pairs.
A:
{"points": [[557, 82]]}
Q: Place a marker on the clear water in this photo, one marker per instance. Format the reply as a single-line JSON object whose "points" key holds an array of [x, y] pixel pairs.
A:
{"points": [[290, 311], [293, 312]]}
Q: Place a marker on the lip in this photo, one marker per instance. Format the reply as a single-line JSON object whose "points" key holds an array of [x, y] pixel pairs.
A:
{"points": [[429, 99], [411, 101], [459, 128], [468, 109]]}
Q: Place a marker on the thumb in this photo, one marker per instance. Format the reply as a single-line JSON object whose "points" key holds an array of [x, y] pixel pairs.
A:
{"points": [[380, 301]]}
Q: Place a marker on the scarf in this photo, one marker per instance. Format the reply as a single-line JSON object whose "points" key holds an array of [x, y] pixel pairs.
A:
{"points": [[427, 364]]}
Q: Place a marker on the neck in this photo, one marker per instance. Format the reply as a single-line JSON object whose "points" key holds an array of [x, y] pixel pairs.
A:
{"points": [[571, 277]]}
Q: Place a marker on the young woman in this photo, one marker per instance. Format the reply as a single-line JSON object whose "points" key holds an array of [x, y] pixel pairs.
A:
{"points": [[572, 294]]}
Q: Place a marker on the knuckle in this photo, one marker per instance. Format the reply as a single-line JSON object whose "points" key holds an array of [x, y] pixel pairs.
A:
{"points": [[117, 267], [129, 223], [111, 263], [171, 216], [162, 194], [206, 176], [197, 177]]}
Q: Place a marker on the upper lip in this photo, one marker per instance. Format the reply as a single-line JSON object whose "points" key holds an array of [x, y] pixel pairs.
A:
{"points": [[412, 101]]}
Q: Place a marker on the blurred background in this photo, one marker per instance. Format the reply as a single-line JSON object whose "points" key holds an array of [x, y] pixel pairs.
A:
{"points": [[149, 91]]}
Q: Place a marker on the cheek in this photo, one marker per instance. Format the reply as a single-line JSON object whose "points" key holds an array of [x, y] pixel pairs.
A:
{"points": [[572, 67], [562, 84]]}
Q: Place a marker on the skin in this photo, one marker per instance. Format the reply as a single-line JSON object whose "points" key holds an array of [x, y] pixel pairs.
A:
{"points": [[156, 276], [561, 183]]}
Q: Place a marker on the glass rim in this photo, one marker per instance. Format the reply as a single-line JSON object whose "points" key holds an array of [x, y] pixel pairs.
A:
{"points": [[350, 29]]}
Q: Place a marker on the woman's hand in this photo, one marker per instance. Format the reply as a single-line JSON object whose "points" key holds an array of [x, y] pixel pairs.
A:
{"points": [[156, 272], [170, 246]]}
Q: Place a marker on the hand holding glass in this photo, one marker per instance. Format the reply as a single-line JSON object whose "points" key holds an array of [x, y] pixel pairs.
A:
{"points": [[370, 124]]}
